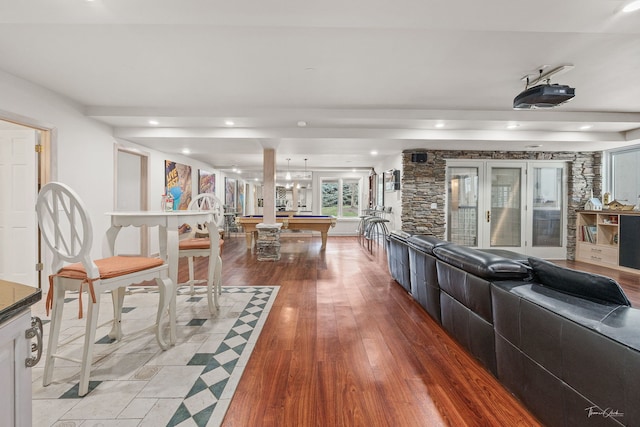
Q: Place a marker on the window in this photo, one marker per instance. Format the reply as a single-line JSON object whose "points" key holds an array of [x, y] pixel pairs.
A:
{"points": [[625, 185], [350, 203], [341, 197]]}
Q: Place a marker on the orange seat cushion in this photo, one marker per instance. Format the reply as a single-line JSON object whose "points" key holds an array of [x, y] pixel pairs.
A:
{"points": [[111, 267], [196, 243]]}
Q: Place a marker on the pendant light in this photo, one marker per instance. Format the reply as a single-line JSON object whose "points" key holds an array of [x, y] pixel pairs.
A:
{"points": [[288, 176]]}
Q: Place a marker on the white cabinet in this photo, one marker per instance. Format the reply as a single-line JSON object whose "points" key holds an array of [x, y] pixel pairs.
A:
{"points": [[15, 376]]}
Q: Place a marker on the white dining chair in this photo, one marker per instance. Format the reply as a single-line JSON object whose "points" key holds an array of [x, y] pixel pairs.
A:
{"points": [[205, 242], [66, 229]]}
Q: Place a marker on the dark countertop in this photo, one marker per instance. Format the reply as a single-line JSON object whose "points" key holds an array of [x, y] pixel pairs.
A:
{"points": [[15, 297]]}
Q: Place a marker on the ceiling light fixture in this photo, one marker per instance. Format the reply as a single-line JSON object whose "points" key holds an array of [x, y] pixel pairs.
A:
{"points": [[154, 122], [229, 122], [632, 7], [440, 125], [585, 127], [512, 125], [288, 176], [374, 153], [302, 124], [186, 151]]}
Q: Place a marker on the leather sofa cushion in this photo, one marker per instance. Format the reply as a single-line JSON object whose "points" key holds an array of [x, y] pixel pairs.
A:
{"points": [[482, 264], [425, 243], [515, 256], [589, 286]]}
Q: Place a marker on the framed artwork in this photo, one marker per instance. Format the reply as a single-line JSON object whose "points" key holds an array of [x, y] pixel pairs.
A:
{"points": [[177, 182], [391, 180], [206, 182], [230, 192], [240, 201]]}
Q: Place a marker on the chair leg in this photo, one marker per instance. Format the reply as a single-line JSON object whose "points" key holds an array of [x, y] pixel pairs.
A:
{"points": [[212, 292], [167, 291], [219, 274], [191, 276], [54, 333], [117, 295], [89, 339]]}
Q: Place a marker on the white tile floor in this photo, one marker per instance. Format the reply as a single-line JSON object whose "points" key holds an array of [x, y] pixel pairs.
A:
{"points": [[133, 382]]}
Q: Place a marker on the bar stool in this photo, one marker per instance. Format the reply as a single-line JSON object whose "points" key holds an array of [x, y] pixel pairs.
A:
{"points": [[376, 228]]}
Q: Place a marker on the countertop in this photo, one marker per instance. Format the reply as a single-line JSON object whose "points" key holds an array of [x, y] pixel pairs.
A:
{"points": [[15, 297]]}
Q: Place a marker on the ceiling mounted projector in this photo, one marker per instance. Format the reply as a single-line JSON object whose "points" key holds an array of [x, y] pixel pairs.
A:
{"points": [[540, 93], [543, 96]]}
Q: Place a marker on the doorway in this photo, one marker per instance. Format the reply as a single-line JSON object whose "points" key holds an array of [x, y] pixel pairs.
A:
{"points": [[24, 167], [131, 166], [517, 206]]}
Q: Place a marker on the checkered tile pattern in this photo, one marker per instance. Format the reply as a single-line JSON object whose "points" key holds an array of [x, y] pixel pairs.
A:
{"points": [[204, 398], [135, 383]]}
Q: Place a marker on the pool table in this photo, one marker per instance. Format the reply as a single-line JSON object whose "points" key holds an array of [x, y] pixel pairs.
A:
{"points": [[319, 223]]}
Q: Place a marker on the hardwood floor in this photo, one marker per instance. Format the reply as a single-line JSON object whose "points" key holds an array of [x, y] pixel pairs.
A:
{"points": [[345, 345]]}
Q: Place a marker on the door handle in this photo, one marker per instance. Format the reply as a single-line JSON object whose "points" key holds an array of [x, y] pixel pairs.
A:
{"points": [[488, 216], [35, 331]]}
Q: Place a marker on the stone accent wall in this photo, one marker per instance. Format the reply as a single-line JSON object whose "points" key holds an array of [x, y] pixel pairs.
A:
{"points": [[425, 183]]}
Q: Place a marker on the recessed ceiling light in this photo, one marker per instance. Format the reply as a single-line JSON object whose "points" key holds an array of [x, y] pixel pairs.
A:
{"points": [[234, 169], [302, 123], [229, 122], [255, 179], [186, 151], [533, 146], [439, 125], [374, 153], [154, 122], [512, 125], [585, 127], [632, 7]]}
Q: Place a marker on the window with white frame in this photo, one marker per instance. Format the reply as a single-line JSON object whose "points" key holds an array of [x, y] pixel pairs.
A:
{"points": [[340, 197], [625, 177]]}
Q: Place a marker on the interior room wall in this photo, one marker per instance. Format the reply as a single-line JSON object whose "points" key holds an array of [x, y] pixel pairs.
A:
{"points": [[425, 183], [83, 150], [392, 199]]}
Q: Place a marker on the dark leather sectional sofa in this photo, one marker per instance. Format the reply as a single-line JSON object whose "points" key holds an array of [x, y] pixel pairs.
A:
{"points": [[566, 343]]}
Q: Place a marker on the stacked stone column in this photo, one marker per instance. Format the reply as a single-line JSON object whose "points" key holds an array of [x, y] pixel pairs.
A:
{"points": [[268, 244]]}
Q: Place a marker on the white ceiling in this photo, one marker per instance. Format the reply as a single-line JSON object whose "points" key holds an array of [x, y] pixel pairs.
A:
{"points": [[364, 74]]}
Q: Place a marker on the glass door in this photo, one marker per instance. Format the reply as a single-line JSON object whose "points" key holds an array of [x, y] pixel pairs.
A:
{"points": [[517, 206], [504, 209], [462, 212], [546, 218]]}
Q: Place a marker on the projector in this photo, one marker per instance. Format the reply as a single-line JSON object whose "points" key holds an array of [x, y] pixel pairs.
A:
{"points": [[543, 96]]}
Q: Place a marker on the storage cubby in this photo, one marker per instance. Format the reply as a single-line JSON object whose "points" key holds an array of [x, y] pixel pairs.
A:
{"points": [[598, 237]]}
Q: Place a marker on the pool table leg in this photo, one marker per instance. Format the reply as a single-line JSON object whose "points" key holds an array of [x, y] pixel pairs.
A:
{"points": [[324, 239], [248, 236]]}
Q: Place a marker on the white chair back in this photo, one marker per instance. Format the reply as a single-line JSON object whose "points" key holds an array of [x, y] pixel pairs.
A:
{"points": [[65, 226], [209, 202]]}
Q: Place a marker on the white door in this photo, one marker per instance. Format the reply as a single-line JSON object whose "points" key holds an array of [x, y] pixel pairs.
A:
{"points": [[546, 216], [517, 206], [503, 214], [18, 225]]}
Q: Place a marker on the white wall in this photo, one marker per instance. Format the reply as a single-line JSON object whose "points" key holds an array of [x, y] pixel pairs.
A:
{"points": [[83, 151], [392, 199]]}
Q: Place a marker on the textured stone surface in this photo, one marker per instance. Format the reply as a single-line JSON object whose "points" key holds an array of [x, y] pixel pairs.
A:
{"points": [[425, 183], [268, 244]]}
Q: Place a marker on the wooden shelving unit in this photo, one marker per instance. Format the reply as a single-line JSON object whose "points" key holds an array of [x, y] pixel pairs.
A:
{"points": [[598, 237]]}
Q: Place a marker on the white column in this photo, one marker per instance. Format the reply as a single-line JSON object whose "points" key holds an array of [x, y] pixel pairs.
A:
{"points": [[269, 186]]}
